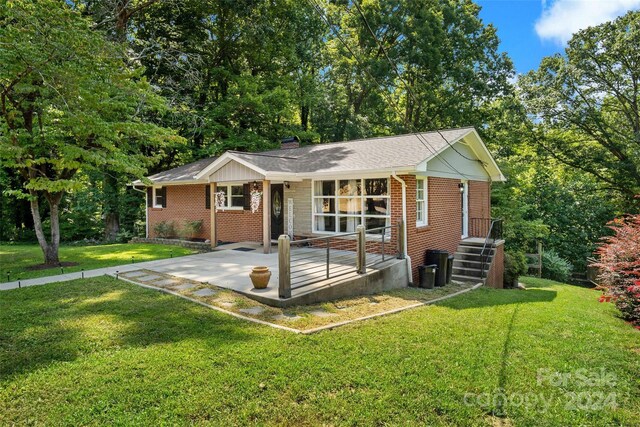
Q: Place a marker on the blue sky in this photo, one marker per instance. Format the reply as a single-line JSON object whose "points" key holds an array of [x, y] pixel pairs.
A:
{"points": [[531, 29]]}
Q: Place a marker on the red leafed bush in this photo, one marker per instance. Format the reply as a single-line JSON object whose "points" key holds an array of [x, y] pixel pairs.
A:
{"points": [[619, 264]]}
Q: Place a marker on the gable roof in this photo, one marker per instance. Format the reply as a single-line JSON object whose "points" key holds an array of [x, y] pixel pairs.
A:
{"points": [[382, 153], [181, 174], [401, 153]]}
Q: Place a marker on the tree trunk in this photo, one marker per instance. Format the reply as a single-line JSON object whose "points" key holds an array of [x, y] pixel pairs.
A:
{"points": [[304, 117], [50, 252]]}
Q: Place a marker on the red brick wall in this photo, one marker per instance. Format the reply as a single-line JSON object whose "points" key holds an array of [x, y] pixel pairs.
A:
{"points": [[240, 225], [479, 199], [444, 214], [496, 272], [187, 202], [184, 202]]}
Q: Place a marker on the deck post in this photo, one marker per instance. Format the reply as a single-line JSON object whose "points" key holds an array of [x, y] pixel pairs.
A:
{"points": [[284, 267], [361, 250], [401, 248]]}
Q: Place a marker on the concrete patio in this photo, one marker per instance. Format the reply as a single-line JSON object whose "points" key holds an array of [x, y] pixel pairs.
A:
{"points": [[229, 266]]}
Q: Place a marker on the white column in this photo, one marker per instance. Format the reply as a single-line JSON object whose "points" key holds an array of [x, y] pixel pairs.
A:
{"points": [[266, 216]]}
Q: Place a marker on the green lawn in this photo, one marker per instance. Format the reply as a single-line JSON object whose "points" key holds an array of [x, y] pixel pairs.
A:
{"points": [[16, 259], [103, 352]]}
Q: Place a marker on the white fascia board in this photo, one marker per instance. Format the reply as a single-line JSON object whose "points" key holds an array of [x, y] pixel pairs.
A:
{"points": [[173, 183], [453, 175], [375, 173], [292, 177]]}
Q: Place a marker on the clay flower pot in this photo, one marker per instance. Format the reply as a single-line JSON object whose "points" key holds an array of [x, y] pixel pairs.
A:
{"points": [[260, 277]]}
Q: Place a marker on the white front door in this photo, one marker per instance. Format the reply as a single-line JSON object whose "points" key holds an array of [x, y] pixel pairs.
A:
{"points": [[464, 203]]}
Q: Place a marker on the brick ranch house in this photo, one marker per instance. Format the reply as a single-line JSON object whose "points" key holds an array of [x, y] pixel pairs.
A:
{"points": [[440, 187]]}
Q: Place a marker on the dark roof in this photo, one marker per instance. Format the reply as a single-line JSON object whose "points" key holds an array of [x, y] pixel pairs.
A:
{"points": [[387, 152], [182, 173]]}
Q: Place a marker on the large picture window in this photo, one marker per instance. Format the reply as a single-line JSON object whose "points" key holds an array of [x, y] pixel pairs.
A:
{"points": [[339, 206]]}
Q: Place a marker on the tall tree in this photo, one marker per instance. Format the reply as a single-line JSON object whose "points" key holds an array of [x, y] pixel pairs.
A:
{"points": [[68, 103], [586, 103]]}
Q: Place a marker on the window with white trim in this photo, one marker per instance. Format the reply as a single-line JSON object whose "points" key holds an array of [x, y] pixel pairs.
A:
{"points": [[421, 202], [159, 197], [339, 206], [233, 196]]}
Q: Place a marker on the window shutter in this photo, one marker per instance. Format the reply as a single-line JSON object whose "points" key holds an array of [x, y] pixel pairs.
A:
{"points": [[246, 192], [149, 197], [164, 197], [207, 197]]}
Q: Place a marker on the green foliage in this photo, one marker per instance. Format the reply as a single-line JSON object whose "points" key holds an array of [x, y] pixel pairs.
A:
{"points": [[165, 229], [587, 104], [191, 229], [555, 267], [515, 265], [69, 102]]}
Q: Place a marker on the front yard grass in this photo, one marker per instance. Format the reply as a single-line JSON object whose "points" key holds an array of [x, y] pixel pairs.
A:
{"points": [[102, 351], [16, 259], [302, 317]]}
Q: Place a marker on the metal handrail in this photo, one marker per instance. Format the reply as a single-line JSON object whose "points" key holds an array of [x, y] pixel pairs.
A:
{"points": [[495, 230], [304, 262]]}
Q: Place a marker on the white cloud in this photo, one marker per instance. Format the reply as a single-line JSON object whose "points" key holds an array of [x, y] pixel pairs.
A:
{"points": [[561, 18]]}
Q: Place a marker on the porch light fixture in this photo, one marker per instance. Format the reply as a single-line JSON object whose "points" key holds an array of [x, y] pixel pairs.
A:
{"points": [[461, 187], [286, 184], [255, 185]]}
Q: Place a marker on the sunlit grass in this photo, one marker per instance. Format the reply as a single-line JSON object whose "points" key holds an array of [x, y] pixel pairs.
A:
{"points": [[16, 259], [106, 352]]}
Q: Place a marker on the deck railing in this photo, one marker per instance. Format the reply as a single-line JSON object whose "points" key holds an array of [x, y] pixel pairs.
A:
{"points": [[304, 262], [481, 227]]}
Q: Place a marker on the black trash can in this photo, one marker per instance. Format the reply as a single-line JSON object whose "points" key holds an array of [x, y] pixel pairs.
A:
{"points": [[439, 258], [427, 276], [449, 268]]}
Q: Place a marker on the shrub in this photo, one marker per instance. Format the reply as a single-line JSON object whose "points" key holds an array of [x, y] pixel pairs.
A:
{"points": [[555, 268], [191, 229], [165, 229], [124, 236], [515, 265], [619, 264]]}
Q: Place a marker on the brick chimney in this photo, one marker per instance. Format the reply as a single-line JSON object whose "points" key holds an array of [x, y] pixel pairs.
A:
{"points": [[289, 143]]}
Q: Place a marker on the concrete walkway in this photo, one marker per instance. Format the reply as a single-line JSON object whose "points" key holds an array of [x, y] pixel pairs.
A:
{"points": [[226, 268]]}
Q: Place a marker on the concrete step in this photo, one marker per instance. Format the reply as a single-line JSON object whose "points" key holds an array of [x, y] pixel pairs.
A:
{"points": [[461, 278], [474, 249], [465, 263], [471, 256], [475, 243], [469, 272]]}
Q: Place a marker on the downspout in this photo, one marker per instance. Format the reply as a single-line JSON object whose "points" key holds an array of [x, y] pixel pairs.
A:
{"points": [[146, 210], [406, 227]]}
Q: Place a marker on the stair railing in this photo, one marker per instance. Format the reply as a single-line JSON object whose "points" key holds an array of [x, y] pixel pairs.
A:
{"points": [[495, 233]]}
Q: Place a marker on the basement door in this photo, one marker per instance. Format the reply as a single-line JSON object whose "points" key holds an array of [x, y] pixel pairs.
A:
{"points": [[277, 211]]}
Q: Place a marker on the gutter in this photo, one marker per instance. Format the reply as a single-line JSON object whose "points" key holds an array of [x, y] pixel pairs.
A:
{"points": [[146, 210], [406, 228]]}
